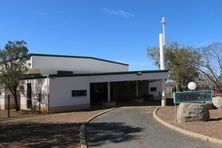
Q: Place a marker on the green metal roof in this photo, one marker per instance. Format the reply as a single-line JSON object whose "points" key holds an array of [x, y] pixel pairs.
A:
{"points": [[108, 73], [95, 74], [82, 57], [32, 76]]}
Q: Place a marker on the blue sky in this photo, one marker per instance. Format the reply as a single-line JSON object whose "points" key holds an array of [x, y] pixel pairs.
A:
{"points": [[118, 30]]}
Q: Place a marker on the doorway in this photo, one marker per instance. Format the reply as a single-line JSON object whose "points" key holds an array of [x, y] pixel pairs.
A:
{"points": [[98, 93], [29, 95]]}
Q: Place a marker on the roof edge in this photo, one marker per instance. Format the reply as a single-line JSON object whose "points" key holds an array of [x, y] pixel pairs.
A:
{"points": [[83, 57], [110, 73], [39, 76]]}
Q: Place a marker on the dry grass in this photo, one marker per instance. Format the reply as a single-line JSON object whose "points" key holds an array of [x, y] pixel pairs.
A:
{"points": [[210, 128], [51, 130]]}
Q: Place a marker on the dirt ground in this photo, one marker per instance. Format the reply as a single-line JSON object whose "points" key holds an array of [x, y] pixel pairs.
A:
{"points": [[210, 128], [51, 130]]}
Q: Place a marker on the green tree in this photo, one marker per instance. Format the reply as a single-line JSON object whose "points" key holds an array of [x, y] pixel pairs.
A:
{"points": [[180, 61], [13, 59]]}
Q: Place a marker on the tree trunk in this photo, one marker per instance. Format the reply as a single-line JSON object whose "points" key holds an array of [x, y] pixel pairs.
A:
{"points": [[14, 93], [16, 101], [177, 87], [180, 87]]}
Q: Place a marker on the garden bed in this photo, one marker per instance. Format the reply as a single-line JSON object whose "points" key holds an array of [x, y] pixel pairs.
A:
{"points": [[210, 128]]}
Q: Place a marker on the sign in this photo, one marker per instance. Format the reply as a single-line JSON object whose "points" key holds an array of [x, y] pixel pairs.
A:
{"points": [[192, 96]]}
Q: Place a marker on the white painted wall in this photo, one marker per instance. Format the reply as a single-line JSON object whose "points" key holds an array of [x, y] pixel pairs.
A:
{"points": [[23, 102], [38, 86], [2, 102], [60, 88], [4, 99], [6, 93], [50, 65], [157, 93], [61, 91]]}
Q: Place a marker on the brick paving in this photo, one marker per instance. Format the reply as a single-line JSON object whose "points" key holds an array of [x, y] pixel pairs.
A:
{"points": [[210, 128], [50, 130]]}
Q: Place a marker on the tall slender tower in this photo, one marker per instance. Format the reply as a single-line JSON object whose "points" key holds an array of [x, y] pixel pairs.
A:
{"points": [[161, 50], [163, 27], [162, 43]]}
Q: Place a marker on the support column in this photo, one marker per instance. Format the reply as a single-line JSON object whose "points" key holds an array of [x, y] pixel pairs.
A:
{"points": [[108, 92], [162, 63], [137, 89], [163, 97]]}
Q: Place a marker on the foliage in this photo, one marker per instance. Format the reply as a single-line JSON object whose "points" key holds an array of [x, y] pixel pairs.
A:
{"points": [[180, 61], [211, 63], [13, 59]]}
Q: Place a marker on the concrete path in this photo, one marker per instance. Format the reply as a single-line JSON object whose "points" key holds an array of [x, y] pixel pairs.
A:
{"points": [[132, 127]]}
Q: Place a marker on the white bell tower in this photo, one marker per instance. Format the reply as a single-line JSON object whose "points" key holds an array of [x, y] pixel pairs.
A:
{"points": [[162, 44]]}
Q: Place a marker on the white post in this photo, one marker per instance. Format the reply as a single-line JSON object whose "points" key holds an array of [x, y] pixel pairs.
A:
{"points": [[163, 97], [137, 89], [108, 92], [163, 27], [162, 64]]}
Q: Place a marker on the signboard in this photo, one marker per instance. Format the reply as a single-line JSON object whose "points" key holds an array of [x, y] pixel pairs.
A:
{"points": [[192, 96]]}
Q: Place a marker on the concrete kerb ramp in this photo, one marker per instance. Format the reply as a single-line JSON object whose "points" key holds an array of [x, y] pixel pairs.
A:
{"points": [[83, 137]]}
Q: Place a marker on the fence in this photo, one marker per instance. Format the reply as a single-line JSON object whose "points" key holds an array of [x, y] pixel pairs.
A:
{"points": [[10, 98], [36, 104]]}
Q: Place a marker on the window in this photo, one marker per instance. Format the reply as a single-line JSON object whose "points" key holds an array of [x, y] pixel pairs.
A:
{"points": [[153, 89], [79, 93]]}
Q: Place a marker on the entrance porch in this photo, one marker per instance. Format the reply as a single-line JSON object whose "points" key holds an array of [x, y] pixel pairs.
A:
{"points": [[124, 92]]}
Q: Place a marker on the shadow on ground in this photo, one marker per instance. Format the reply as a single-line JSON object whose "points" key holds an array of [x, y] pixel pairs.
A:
{"points": [[39, 135], [215, 119], [145, 103], [169, 102], [17, 114], [114, 132]]}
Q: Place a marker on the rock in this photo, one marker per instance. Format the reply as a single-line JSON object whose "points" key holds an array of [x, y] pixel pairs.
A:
{"points": [[211, 106], [188, 112], [217, 101]]}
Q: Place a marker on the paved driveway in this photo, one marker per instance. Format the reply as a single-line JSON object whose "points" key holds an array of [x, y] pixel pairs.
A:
{"points": [[132, 127]]}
